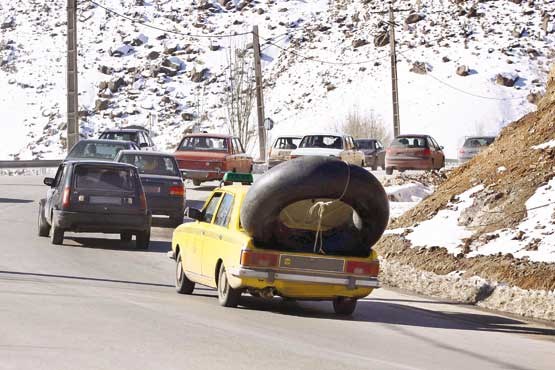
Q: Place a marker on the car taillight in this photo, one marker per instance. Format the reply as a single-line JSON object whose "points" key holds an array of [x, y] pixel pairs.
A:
{"points": [[426, 152], [259, 259], [461, 151], [178, 190], [363, 268], [66, 198], [142, 198]]}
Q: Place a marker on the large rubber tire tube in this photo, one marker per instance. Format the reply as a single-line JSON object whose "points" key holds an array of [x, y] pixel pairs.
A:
{"points": [[317, 178]]}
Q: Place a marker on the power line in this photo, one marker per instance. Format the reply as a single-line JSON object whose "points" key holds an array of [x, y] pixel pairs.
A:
{"points": [[166, 30]]}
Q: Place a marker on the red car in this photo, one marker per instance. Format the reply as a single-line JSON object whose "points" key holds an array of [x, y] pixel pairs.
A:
{"points": [[414, 152], [205, 157]]}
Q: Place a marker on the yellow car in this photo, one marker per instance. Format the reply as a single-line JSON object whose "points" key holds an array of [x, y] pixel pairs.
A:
{"points": [[215, 251]]}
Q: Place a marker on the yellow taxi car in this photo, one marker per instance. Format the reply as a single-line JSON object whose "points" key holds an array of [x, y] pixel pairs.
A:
{"points": [[215, 251]]}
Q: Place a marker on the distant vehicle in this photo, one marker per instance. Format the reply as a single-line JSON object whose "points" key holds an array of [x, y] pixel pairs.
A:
{"points": [[281, 150], [205, 157], [137, 134], [329, 145], [102, 150], [374, 152], [93, 196], [414, 152], [474, 145], [162, 182]]}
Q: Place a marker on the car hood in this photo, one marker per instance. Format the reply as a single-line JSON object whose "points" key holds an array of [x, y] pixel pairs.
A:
{"points": [[200, 156], [316, 152]]}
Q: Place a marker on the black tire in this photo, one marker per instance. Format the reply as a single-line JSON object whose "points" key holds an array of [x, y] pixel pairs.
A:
{"points": [[317, 178], [43, 226], [389, 170], [56, 236], [227, 296], [197, 182], [125, 237], [344, 306], [362, 164], [375, 165], [182, 283], [142, 239]]}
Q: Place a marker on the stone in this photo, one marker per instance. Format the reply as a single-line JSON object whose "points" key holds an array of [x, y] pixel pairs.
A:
{"points": [[357, 43], [421, 68], [199, 76], [414, 18], [463, 71], [102, 85], [153, 55], [381, 39], [187, 116], [445, 59], [101, 104], [534, 98], [115, 85], [506, 79], [106, 70]]}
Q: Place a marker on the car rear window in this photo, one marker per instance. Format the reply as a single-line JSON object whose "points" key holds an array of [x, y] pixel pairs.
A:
{"points": [[124, 136], [204, 143], [365, 144], [321, 141], [89, 177], [409, 142], [474, 142], [96, 150], [152, 164]]}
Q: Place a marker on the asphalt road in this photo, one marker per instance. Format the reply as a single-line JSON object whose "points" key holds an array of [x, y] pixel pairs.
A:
{"points": [[99, 304]]}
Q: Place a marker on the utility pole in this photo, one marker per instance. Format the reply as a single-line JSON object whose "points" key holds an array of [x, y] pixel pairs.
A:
{"points": [[72, 90], [259, 95], [394, 87]]}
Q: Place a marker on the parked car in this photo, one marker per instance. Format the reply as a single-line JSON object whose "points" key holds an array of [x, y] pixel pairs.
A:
{"points": [[281, 149], [474, 145], [374, 152], [204, 157], [216, 251], [101, 150], [93, 196], [414, 152], [329, 145], [162, 182], [137, 134]]}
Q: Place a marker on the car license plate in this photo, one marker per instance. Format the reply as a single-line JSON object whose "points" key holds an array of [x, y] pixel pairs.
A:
{"points": [[151, 189], [104, 200]]}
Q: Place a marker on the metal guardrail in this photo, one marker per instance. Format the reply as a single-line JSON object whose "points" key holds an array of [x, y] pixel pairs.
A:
{"points": [[39, 163]]}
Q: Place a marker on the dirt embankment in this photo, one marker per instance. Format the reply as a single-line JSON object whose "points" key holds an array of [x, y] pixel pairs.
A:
{"points": [[510, 171]]}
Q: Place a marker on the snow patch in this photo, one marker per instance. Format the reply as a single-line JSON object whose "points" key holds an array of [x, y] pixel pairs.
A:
{"points": [[547, 145]]}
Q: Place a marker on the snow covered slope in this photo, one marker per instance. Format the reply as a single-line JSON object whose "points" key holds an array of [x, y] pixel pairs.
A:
{"points": [[319, 62]]}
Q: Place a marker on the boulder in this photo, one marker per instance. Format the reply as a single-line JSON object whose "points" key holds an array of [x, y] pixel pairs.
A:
{"points": [[414, 18], [153, 55], [421, 68], [506, 79], [357, 43], [382, 39], [114, 85], [101, 104], [199, 76], [463, 71], [187, 116]]}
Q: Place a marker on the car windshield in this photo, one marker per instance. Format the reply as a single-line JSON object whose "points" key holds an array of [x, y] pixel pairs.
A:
{"points": [[409, 142], [204, 144], [152, 164], [124, 136], [474, 142], [321, 141], [287, 143], [365, 144], [96, 150], [94, 177]]}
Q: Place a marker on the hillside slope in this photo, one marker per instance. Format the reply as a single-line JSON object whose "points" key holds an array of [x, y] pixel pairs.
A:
{"points": [[319, 64]]}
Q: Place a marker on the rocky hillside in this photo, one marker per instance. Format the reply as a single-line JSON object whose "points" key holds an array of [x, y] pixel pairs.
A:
{"points": [[497, 212], [465, 67]]}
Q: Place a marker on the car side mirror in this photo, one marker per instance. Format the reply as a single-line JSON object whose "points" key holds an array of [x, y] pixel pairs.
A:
{"points": [[193, 213], [143, 145], [48, 181], [441, 147]]}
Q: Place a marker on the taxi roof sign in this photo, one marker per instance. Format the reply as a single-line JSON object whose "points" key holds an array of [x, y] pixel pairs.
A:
{"points": [[244, 178]]}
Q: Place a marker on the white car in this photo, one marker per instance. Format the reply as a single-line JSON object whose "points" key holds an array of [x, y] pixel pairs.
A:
{"points": [[329, 145]]}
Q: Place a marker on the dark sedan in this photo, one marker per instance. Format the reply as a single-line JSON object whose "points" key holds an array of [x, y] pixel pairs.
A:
{"points": [[161, 178], [374, 152], [101, 150]]}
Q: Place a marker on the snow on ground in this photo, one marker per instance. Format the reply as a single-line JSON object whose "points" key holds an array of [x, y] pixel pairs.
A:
{"points": [[301, 94], [406, 196], [546, 145]]}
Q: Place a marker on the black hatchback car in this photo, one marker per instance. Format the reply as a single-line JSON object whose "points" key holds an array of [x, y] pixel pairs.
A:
{"points": [[374, 152], [92, 196], [162, 182]]}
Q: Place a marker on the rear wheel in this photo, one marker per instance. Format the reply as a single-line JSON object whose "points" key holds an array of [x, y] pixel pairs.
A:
{"points": [[125, 237], [344, 306], [143, 239], [227, 296], [57, 236], [182, 283], [197, 182], [389, 170], [44, 228]]}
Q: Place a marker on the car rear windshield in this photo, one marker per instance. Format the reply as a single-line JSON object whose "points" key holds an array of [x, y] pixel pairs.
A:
{"points": [[124, 136], [204, 144], [409, 142], [104, 178], [365, 144], [474, 142], [96, 150], [152, 164], [321, 141]]}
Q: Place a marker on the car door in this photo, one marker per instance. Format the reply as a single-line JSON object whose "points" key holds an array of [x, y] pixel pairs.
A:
{"points": [[440, 161], [216, 237], [192, 253], [53, 194]]}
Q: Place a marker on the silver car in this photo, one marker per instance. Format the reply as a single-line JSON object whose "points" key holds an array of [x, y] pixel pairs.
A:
{"points": [[474, 145]]}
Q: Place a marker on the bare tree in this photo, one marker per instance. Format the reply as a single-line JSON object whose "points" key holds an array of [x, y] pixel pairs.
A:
{"points": [[365, 126], [240, 93]]}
